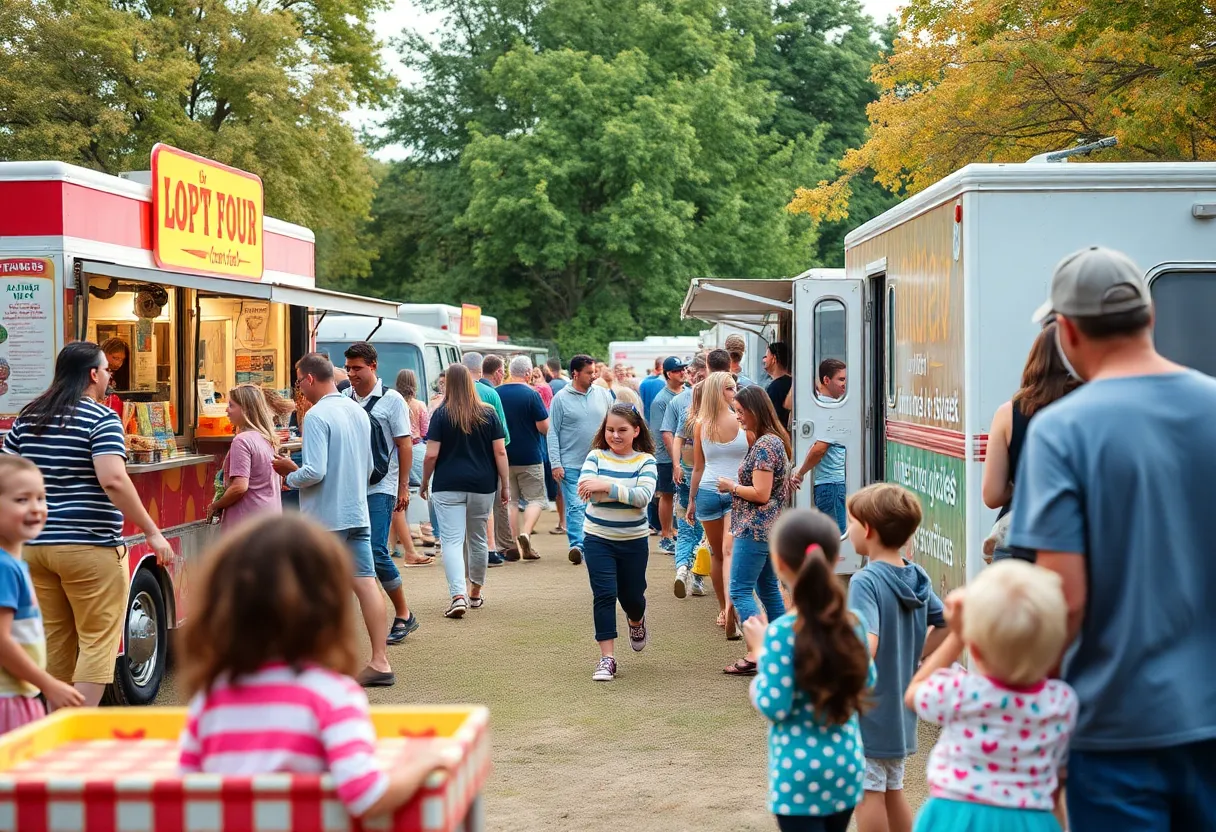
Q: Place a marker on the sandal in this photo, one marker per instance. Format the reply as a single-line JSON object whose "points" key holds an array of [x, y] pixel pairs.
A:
{"points": [[457, 608], [558, 530], [425, 560], [722, 619], [741, 668], [476, 603]]}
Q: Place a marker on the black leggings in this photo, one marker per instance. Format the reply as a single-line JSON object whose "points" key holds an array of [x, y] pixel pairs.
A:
{"points": [[838, 822]]}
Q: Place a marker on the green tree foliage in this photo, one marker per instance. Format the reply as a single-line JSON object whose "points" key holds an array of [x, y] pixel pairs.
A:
{"points": [[258, 85], [575, 162]]}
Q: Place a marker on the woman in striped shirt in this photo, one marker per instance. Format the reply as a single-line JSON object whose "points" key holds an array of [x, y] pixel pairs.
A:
{"points": [[284, 700], [617, 482]]}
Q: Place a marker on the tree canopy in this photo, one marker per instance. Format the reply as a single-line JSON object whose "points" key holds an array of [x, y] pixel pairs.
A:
{"points": [[257, 84], [575, 162], [1002, 80]]}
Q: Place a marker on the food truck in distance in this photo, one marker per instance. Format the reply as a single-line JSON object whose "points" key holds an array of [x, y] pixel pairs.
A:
{"points": [[932, 318], [180, 270], [641, 355]]}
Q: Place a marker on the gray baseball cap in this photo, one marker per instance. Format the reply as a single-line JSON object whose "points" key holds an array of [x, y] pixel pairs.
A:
{"points": [[1093, 282]]}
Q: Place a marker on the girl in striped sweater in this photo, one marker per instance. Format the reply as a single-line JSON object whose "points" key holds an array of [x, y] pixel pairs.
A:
{"points": [[617, 482], [268, 653]]}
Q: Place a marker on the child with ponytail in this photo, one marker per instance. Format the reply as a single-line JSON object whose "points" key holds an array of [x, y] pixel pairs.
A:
{"points": [[813, 672]]}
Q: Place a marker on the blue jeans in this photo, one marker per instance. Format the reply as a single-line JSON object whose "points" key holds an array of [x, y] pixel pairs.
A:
{"points": [[652, 514], [688, 535], [576, 509], [1159, 790], [617, 570], [359, 543], [380, 511], [751, 574], [829, 498]]}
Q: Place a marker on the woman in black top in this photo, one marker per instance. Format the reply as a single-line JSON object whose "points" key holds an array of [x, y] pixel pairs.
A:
{"points": [[466, 452], [1044, 380]]}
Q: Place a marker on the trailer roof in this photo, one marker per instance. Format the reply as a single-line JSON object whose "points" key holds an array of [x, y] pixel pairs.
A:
{"points": [[1042, 176], [742, 299]]}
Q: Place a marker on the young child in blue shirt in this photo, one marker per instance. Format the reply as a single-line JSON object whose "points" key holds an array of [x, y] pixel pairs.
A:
{"points": [[812, 674], [22, 640], [895, 599]]}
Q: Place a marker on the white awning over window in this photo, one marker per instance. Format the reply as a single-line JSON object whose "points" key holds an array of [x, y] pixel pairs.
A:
{"points": [[737, 299]]}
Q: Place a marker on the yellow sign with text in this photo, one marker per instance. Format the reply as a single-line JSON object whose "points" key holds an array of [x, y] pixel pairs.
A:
{"points": [[470, 320], [206, 217]]}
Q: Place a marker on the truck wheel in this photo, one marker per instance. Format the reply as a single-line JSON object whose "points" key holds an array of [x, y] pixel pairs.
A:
{"points": [[139, 671]]}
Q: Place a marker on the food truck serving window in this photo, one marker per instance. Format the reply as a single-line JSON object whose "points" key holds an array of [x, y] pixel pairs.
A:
{"points": [[1183, 330], [137, 324], [240, 341]]}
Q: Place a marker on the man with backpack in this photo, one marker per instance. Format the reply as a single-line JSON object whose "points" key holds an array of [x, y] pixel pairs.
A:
{"points": [[332, 481], [387, 490]]}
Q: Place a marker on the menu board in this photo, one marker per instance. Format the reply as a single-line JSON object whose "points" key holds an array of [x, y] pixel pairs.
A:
{"points": [[27, 330]]}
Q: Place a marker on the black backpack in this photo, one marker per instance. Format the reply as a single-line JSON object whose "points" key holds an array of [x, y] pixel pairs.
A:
{"points": [[381, 449]]}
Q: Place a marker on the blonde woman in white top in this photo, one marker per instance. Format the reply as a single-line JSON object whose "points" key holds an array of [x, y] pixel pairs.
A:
{"points": [[719, 446]]}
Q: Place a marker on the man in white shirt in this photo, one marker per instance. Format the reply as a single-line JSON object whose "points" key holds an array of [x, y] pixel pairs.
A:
{"points": [[332, 482], [391, 494]]}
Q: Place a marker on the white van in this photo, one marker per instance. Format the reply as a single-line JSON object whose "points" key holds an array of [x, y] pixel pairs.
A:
{"points": [[937, 298], [641, 355], [399, 346]]}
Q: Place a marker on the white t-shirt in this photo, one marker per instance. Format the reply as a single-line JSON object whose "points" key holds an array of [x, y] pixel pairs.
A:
{"points": [[394, 416]]}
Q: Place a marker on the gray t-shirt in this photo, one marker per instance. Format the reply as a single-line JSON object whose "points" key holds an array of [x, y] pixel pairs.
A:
{"points": [[394, 416], [1121, 472], [897, 604]]}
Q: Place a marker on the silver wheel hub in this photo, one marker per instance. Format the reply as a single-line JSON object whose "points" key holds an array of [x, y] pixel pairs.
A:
{"points": [[142, 638]]}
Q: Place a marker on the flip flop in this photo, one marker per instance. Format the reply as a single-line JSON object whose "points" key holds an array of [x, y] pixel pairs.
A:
{"points": [[741, 668], [426, 561], [558, 530]]}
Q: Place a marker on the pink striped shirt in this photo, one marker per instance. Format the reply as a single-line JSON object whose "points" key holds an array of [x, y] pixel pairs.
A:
{"points": [[279, 720]]}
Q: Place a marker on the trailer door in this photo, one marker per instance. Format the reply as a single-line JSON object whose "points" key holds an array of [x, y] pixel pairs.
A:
{"points": [[829, 327]]}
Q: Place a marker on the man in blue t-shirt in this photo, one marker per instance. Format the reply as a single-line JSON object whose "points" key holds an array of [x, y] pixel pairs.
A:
{"points": [[1114, 493], [649, 388], [827, 456], [528, 421]]}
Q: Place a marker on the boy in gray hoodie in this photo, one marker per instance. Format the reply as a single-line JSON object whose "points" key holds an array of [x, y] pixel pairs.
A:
{"points": [[897, 605]]}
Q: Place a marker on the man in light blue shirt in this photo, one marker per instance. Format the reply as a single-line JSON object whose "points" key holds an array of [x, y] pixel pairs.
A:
{"points": [[827, 456], [1114, 493], [575, 417], [735, 347], [333, 482]]}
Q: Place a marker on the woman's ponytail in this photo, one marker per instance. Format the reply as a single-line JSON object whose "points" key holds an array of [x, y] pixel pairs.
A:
{"points": [[831, 664]]}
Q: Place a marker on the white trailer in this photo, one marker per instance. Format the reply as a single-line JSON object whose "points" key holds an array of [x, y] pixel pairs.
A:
{"points": [[755, 342], [641, 355], [938, 295]]}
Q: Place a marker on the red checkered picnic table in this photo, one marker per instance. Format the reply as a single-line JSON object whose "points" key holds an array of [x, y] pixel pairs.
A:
{"points": [[115, 770]]}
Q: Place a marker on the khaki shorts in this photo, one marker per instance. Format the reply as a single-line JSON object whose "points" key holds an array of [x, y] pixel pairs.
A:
{"points": [[528, 484], [82, 591]]}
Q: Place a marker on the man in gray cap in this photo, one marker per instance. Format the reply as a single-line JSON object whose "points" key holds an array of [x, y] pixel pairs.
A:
{"points": [[1115, 494]]}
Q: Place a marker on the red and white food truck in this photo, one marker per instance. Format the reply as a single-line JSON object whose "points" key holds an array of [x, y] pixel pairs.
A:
{"points": [[205, 292]]}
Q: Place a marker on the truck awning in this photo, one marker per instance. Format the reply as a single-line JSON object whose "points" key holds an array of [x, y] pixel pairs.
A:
{"points": [[322, 300], [737, 299]]}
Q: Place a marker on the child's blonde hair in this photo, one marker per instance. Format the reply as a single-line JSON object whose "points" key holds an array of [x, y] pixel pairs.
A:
{"points": [[11, 464], [890, 510], [1017, 619]]}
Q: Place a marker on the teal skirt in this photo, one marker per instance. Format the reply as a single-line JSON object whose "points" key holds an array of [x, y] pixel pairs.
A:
{"points": [[940, 815]]}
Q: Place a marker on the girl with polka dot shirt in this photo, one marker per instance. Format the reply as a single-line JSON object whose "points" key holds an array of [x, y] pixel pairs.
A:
{"points": [[813, 669], [1005, 725]]}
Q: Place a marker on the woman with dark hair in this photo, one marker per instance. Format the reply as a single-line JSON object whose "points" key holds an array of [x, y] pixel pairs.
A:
{"points": [[78, 563], [466, 451], [1045, 379], [118, 354], [617, 482], [757, 498]]}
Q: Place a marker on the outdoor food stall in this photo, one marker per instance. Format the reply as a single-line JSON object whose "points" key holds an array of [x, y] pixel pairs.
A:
{"points": [[191, 291], [115, 770]]}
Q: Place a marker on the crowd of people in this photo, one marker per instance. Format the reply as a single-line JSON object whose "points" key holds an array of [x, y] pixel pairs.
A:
{"points": [[1097, 465]]}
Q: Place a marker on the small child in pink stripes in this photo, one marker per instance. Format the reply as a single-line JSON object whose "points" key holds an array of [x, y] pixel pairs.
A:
{"points": [[268, 651]]}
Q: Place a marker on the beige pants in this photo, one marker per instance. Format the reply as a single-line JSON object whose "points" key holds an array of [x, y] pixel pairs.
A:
{"points": [[82, 591]]}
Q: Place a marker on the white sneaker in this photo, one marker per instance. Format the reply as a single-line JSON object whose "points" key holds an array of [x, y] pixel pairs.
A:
{"points": [[681, 581], [605, 671], [698, 586]]}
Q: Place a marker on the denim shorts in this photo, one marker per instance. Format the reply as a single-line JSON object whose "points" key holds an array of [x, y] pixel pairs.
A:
{"points": [[359, 544], [665, 485], [711, 504]]}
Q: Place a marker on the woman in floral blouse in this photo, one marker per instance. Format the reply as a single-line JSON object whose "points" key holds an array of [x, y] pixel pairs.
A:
{"points": [[758, 498]]}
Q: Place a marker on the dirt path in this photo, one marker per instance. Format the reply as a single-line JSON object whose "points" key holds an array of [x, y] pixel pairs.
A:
{"points": [[672, 744]]}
